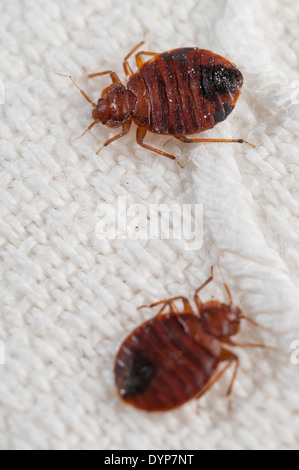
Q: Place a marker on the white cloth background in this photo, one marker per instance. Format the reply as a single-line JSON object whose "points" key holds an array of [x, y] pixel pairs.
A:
{"points": [[69, 299]]}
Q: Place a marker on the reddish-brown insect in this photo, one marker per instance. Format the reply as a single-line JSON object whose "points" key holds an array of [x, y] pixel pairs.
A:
{"points": [[173, 357], [179, 92]]}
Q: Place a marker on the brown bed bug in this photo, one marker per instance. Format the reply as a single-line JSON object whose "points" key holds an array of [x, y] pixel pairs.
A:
{"points": [[174, 356], [179, 92]]}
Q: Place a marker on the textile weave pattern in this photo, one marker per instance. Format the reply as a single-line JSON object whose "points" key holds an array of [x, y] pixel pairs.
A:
{"points": [[68, 298]]}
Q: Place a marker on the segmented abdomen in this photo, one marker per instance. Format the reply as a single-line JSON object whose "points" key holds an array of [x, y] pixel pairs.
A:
{"points": [[188, 90], [165, 362]]}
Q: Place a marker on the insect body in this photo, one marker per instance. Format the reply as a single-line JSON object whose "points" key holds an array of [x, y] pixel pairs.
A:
{"points": [[180, 92], [173, 357]]}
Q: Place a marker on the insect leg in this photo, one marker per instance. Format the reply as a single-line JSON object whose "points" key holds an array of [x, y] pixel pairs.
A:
{"points": [[172, 308], [196, 298], [140, 134], [113, 75], [233, 377], [187, 307], [81, 91], [139, 59], [126, 65], [247, 345], [125, 130], [183, 138], [225, 356]]}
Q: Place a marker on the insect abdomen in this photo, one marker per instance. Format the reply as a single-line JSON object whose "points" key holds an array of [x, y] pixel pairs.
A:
{"points": [[165, 362], [189, 90]]}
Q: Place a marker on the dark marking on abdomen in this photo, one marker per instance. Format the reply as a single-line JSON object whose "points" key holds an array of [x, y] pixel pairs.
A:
{"points": [[216, 80], [135, 379], [223, 112]]}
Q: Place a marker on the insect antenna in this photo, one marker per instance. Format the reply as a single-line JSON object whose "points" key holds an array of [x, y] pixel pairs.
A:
{"points": [[224, 283], [253, 322], [86, 130], [77, 86]]}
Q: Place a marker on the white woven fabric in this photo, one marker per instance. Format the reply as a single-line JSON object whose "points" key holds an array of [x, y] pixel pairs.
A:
{"points": [[68, 299]]}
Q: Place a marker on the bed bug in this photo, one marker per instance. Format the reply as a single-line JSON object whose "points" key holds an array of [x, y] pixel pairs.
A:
{"points": [[179, 92], [174, 356]]}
